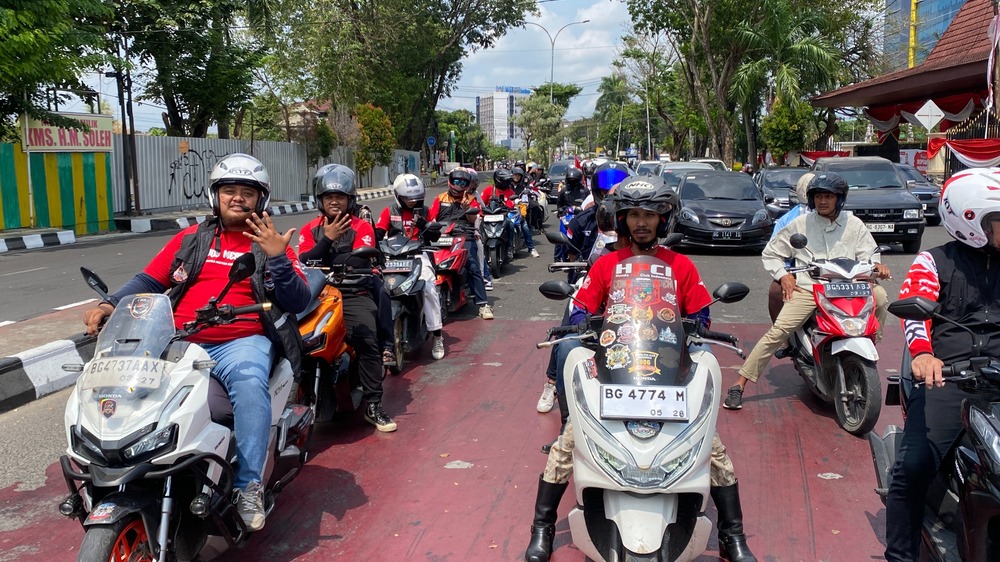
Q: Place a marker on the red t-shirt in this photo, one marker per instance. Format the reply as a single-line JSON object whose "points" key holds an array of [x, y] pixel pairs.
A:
{"points": [[692, 296], [405, 216], [363, 234], [507, 196], [212, 279]]}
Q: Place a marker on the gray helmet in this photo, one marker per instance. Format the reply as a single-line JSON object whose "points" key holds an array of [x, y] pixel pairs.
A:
{"points": [[645, 192], [240, 169], [335, 178]]}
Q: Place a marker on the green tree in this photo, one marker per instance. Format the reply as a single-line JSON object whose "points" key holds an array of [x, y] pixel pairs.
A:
{"points": [[470, 141], [376, 141], [784, 129], [45, 44], [562, 94], [540, 123]]}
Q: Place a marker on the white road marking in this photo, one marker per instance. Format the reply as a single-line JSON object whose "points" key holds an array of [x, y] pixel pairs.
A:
{"points": [[6, 322], [25, 271], [67, 306]]}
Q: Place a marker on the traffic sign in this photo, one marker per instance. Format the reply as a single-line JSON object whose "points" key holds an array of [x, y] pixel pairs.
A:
{"points": [[430, 141]]}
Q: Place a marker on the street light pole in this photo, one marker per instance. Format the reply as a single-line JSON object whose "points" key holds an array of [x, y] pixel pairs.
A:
{"points": [[552, 42]]}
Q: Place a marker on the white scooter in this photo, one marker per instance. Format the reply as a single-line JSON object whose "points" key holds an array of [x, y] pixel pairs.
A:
{"points": [[151, 458], [643, 400]]}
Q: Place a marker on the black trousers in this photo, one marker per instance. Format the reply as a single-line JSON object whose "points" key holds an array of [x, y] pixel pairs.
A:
{"points": [[933, 423], [360, 315]]}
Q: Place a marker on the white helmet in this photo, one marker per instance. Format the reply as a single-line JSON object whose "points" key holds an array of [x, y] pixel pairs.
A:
{"points": [[967, 200], [801, 187], [241, 169], [407, 188]]}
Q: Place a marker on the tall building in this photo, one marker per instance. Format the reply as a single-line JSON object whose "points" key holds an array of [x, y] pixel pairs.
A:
{"points": [[495, 113], [909, 37]]}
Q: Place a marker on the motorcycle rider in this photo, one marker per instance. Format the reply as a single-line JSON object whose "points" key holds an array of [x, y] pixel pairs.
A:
{"points": [[329, 239], [642, 214], [959, 277], [458, 205], [194, 265], [506, 188], [589, 167], [832, 233], [409, 216], [570, 200]]}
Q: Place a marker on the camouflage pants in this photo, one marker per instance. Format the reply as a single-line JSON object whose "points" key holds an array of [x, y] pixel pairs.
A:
{"points": [[559, 466]]}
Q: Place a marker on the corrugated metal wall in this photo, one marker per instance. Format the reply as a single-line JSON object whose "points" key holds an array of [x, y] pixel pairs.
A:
{"points": [[170, 179], [69, 190]]}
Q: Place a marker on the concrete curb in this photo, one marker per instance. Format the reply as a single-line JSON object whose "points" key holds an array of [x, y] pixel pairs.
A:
{"points": [[178, 223], [38, 372], [32, 241]]}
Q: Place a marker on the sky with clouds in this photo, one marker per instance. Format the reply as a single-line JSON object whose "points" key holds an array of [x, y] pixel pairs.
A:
{"points": [[583, 55]]}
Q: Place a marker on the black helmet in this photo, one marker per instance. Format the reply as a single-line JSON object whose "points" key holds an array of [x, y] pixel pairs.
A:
{"points": [[605, 214], [646, 192], [589, 168], [335, 178], [502, 179], [829, 182], [574, 177], [519, 164], [517, 170]]}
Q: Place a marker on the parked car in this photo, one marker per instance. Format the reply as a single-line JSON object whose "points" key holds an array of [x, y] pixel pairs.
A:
{"points": [[926, 191], [722, 210], [778, 181], [673, 172], [714, 163], [648, 168], [879, 197]]}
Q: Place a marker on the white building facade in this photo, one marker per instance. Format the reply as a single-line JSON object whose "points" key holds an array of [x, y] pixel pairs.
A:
{"points": [[495, 113]]}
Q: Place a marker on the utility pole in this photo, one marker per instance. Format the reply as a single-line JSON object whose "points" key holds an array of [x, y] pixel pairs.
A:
{"points": [[621, 117]]}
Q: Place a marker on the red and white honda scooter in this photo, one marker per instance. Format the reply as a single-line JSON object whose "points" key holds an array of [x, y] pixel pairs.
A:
{"points": [[450, 257], [834, 351]]}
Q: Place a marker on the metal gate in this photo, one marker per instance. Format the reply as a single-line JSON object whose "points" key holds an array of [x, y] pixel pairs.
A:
{"points": [[983, 126]]}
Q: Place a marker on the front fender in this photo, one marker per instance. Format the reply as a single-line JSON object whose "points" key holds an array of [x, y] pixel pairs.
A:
{"points": [[862, 347], [641, 519]]}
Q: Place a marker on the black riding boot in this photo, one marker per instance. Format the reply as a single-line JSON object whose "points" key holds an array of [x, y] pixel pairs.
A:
{"points": [[564, 416], [732, 541], [543, 528]]}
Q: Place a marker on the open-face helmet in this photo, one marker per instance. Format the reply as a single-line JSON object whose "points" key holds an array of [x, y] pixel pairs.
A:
{"points": [[240, 169], [409, 188], [970, 201]]}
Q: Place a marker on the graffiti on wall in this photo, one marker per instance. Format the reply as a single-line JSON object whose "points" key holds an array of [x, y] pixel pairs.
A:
{"points": [[189, 173]]}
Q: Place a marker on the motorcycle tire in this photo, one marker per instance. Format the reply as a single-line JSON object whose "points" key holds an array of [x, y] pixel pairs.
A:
{"points": [[496, 261], [445, 298], [398, 349], [859, 402], [125, 539]]}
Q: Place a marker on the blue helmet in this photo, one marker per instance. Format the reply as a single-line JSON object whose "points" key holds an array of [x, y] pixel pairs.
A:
{"points": [[609, 174]]}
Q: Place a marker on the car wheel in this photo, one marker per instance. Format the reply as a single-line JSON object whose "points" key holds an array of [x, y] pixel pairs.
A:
{"points": [[911, 246], [933, 221]]}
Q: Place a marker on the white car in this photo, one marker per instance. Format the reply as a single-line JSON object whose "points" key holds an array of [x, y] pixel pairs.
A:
{"points": [[713, 162]]}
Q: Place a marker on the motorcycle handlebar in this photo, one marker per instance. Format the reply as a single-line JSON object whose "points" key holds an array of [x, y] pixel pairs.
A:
{"points": [[728, 338], [253, 308]]}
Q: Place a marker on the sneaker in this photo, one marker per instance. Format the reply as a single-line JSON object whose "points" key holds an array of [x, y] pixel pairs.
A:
{"points": [[734, 400], [548, 398], [375, 415], [489, 284], [534, 253], [437, 351], [784, 352], [486, 312], [250, 505]]}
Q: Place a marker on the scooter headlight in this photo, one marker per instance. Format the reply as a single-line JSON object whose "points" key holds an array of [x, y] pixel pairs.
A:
{"points": [[852, 325], [158, 442], [988, 432], [446, 264], [404, 287]]}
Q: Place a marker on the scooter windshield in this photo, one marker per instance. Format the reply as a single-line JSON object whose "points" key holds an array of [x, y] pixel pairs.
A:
{"points": [[642, 340], [128, 375]]}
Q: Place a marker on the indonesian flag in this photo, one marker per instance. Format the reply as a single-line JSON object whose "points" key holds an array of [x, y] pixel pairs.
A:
{"points": [[576, 162]]}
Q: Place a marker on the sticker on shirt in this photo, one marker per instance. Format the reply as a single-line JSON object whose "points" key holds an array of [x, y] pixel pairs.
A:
{"points": [[367, 240], [626, 334], [668, 336], [666, 315], [644, 364], [643, 292], [618, 357], [607, 338], [180, 274]]}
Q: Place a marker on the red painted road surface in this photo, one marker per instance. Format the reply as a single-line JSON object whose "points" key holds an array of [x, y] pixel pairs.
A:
{"points": [[457, 481]]}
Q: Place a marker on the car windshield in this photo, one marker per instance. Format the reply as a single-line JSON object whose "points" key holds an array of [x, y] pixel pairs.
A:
{"points": [[646, 169], [558, 169], [866, 175], [911, 173], [783, 178], [732, 186]]}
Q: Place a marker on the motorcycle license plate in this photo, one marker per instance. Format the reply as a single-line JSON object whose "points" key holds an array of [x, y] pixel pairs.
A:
{"points": [[493, 218], [626, 402], [398, 266], [727, 235], [847, 290], [881, 227], [127, 372]]}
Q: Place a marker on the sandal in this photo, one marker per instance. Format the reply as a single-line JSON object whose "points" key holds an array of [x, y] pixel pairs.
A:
{"points": [[388, 357]]}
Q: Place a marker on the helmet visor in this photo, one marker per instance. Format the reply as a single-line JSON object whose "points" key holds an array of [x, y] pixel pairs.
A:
{"points": [[608, 178], [460, 183]]}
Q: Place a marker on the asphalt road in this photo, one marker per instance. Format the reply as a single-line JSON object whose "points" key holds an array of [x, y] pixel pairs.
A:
{"points": [[34, 283]]}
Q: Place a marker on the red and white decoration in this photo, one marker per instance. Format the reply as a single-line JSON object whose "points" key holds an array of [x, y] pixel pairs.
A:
{"points": [[974, 153]]}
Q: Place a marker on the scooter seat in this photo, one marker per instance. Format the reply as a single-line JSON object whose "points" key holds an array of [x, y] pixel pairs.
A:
{"points": [[218, 403]]}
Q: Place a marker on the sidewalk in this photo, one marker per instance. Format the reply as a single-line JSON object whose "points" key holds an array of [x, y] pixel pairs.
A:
{"points": [[56, 338]]}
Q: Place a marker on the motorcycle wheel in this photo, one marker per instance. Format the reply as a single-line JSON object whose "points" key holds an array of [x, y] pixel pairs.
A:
{"points": [[858, 404], [124, 540], [496, 260], [398, 349], [445, 297]]}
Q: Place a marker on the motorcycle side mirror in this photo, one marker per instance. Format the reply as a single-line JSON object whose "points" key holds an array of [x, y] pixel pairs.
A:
{"points": [[557, 237], [242, 268], [434, 226], [799, 241], [915, 308], [883, 249], [672, 239], [366, 253], [95, 282], [557, 290], [731, 292]]}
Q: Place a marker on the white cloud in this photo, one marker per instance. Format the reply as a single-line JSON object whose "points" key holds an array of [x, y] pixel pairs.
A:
{"points": [[583, 54]]}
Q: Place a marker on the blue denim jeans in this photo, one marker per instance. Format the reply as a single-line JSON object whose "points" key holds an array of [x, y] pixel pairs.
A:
{"points": [[243, 368], [476, 282]]}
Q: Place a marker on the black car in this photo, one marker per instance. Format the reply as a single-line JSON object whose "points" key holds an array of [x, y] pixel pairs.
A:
{"points": [[878, 197], [557, 174], [778, 181], [927, 192], [722, 210]]}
